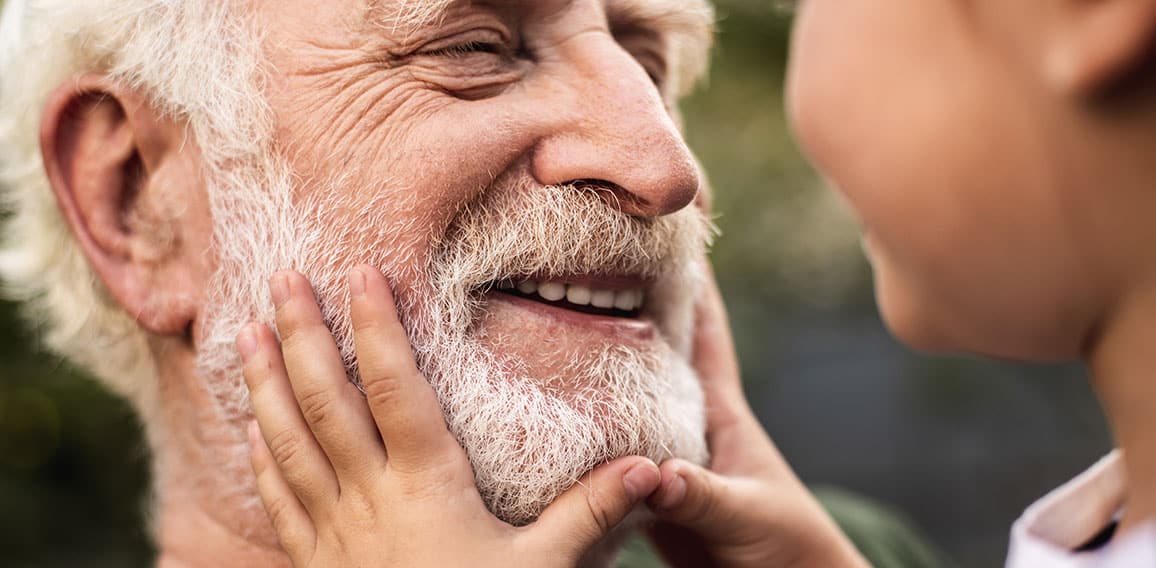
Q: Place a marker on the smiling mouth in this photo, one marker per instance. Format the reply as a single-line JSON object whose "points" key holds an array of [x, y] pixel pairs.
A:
{"points": [[619, 299]]}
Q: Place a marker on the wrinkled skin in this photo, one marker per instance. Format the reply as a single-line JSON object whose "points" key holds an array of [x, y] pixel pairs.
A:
{"points": [[414, 122]]}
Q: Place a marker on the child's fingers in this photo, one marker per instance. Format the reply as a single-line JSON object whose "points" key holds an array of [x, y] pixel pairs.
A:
{"points": [[714, 355], [586, 513], [291, 522], [407, 412], [333, 408], [732, 428], [295, 452], [758, 519], [691, 496]]}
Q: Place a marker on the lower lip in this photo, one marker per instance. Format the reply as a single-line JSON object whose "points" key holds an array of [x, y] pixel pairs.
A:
{"points": [[632, 329]]}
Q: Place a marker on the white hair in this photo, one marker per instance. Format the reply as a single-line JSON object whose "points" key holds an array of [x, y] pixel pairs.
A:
{"points": [[198, 61], [142, 44]]}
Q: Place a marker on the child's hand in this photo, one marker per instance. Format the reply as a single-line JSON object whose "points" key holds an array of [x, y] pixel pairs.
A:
{"points": [[347, 483], [749, 509]]}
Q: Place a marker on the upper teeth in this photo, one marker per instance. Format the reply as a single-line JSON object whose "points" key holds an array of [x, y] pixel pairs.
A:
{"points": [[625, 300]]}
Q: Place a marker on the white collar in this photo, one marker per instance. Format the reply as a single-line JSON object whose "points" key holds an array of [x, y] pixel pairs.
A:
{"points": [[1052, 529]]}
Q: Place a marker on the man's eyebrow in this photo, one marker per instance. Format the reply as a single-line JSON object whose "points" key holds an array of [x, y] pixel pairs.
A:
{"points": [[404, 17]]}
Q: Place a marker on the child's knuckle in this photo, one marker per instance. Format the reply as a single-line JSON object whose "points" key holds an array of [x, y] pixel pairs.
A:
{"points": [[279, 511], [317, 406], [600, 522], [287, 448], [380, 389]]}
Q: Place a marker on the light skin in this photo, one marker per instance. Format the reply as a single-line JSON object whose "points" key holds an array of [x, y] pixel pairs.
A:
{"points": [[465, 118], [705, 516], [337, 499], [348, 483], [349, 94], [1024, 232]]}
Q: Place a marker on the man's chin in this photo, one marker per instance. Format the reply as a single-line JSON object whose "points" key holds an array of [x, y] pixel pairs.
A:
{"points": [[538, 401]]}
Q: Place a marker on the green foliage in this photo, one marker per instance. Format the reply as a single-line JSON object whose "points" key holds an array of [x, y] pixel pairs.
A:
{"points": [[72, 466]]}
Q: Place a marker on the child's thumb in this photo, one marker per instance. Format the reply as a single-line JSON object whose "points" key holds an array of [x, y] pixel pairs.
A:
{"points": [[690, 496], [587, 512]]}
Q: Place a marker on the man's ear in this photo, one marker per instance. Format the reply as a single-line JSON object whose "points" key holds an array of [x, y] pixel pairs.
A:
{"points": [[116, 165], [1098, 43]]}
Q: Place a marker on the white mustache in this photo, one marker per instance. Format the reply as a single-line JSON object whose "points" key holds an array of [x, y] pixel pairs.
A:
{"points": [[517, 232], [556, 231]]}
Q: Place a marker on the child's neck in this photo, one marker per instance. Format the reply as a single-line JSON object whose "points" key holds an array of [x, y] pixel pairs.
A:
{"points": [[1123, 364]]}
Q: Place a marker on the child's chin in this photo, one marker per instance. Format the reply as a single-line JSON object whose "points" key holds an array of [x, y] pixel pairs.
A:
{"points": [[918, 338], [937, 328], [911, 322]]}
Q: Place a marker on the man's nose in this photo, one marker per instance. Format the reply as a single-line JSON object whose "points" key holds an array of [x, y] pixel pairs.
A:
{"points": [[618, 135]]}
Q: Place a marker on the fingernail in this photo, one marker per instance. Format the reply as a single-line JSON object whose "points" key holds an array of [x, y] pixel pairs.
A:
{"points": [[674, 494], [247, 342], [640, 480], [279, 288], [356, 282]]}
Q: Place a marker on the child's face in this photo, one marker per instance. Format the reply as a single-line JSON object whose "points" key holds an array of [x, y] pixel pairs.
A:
{"points": [[930, 117]]}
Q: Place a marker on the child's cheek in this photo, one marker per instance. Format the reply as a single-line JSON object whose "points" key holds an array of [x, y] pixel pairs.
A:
{"points": [[846, 103]]}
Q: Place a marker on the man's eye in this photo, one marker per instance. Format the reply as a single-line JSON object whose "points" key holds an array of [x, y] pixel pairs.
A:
{"points": [[467, 48], [471, 65], [656, 73], [646, 48], [654, 66]]}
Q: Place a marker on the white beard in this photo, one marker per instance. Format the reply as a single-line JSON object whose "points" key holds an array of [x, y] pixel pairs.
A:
{"points": [[527, 445], [527, 439]]}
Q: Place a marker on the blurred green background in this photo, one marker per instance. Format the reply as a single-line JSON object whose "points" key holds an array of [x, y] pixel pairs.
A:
{"points": [[958, 447]]}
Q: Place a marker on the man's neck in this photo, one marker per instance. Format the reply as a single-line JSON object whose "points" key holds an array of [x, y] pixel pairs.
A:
{"points": [[1123, 363], [207, 512], [190, 537]]}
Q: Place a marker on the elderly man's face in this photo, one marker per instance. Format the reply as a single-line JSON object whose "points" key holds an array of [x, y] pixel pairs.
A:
{"points": [[514, 168], [420, 121]]}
